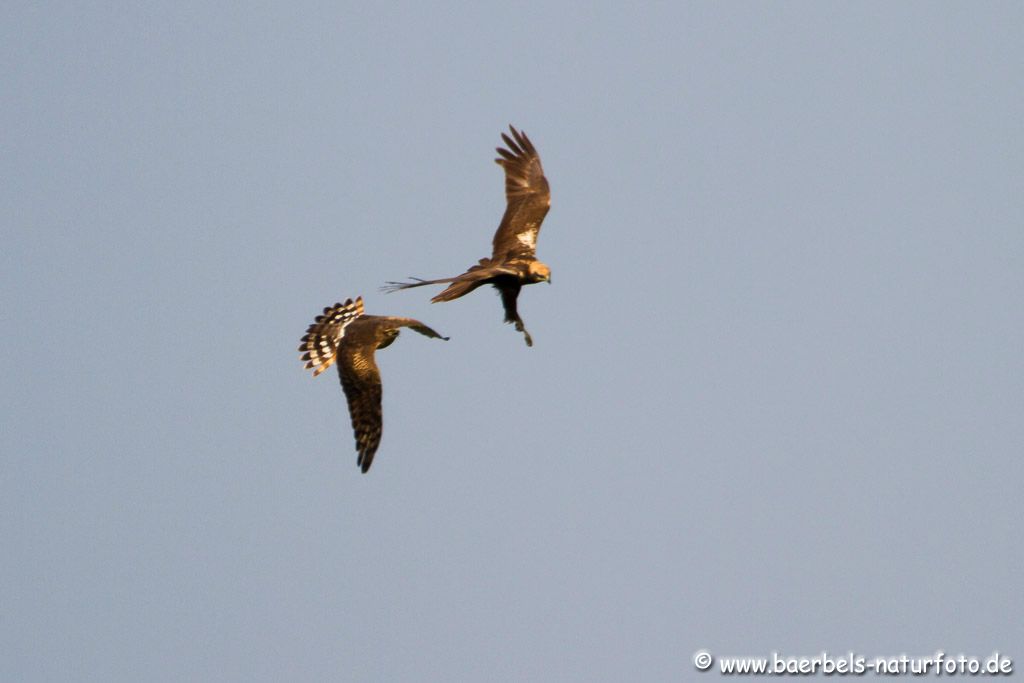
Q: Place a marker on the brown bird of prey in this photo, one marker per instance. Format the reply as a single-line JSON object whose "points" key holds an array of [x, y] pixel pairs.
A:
{"points": [[513, 262], [345, 335]]}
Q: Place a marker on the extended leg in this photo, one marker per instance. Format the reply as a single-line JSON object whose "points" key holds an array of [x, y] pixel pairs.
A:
{"points": [[522, 328], [509, 294]]}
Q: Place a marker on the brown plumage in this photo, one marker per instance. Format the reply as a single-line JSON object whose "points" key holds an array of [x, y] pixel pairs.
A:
{"points": [[344, 334], [513, 262]]}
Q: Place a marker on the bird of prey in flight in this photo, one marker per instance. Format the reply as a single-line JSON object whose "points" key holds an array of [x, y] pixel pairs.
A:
{"points": [[345, 336], [513, 262]]}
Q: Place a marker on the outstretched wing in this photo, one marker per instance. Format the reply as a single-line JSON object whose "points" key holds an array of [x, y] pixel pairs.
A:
{"points": [[319, 346], [360, 379], [480, 274], [528, 197], [416, 325]]}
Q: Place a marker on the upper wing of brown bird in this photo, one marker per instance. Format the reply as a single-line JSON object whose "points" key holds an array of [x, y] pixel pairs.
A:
{"points": [[528, 197]]}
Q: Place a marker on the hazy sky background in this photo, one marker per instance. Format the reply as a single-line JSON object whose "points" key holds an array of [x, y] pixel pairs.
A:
{"points": [[776, 396]]}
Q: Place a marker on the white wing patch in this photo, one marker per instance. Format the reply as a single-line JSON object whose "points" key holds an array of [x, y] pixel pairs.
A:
{"points": [[528, 239]]}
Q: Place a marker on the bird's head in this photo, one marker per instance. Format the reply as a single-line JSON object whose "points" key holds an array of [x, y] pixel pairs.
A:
{"points": [[538, 272], [389, 337]]}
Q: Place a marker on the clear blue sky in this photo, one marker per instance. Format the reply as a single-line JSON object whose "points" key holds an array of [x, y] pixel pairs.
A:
{"points": [[776, 396]]}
